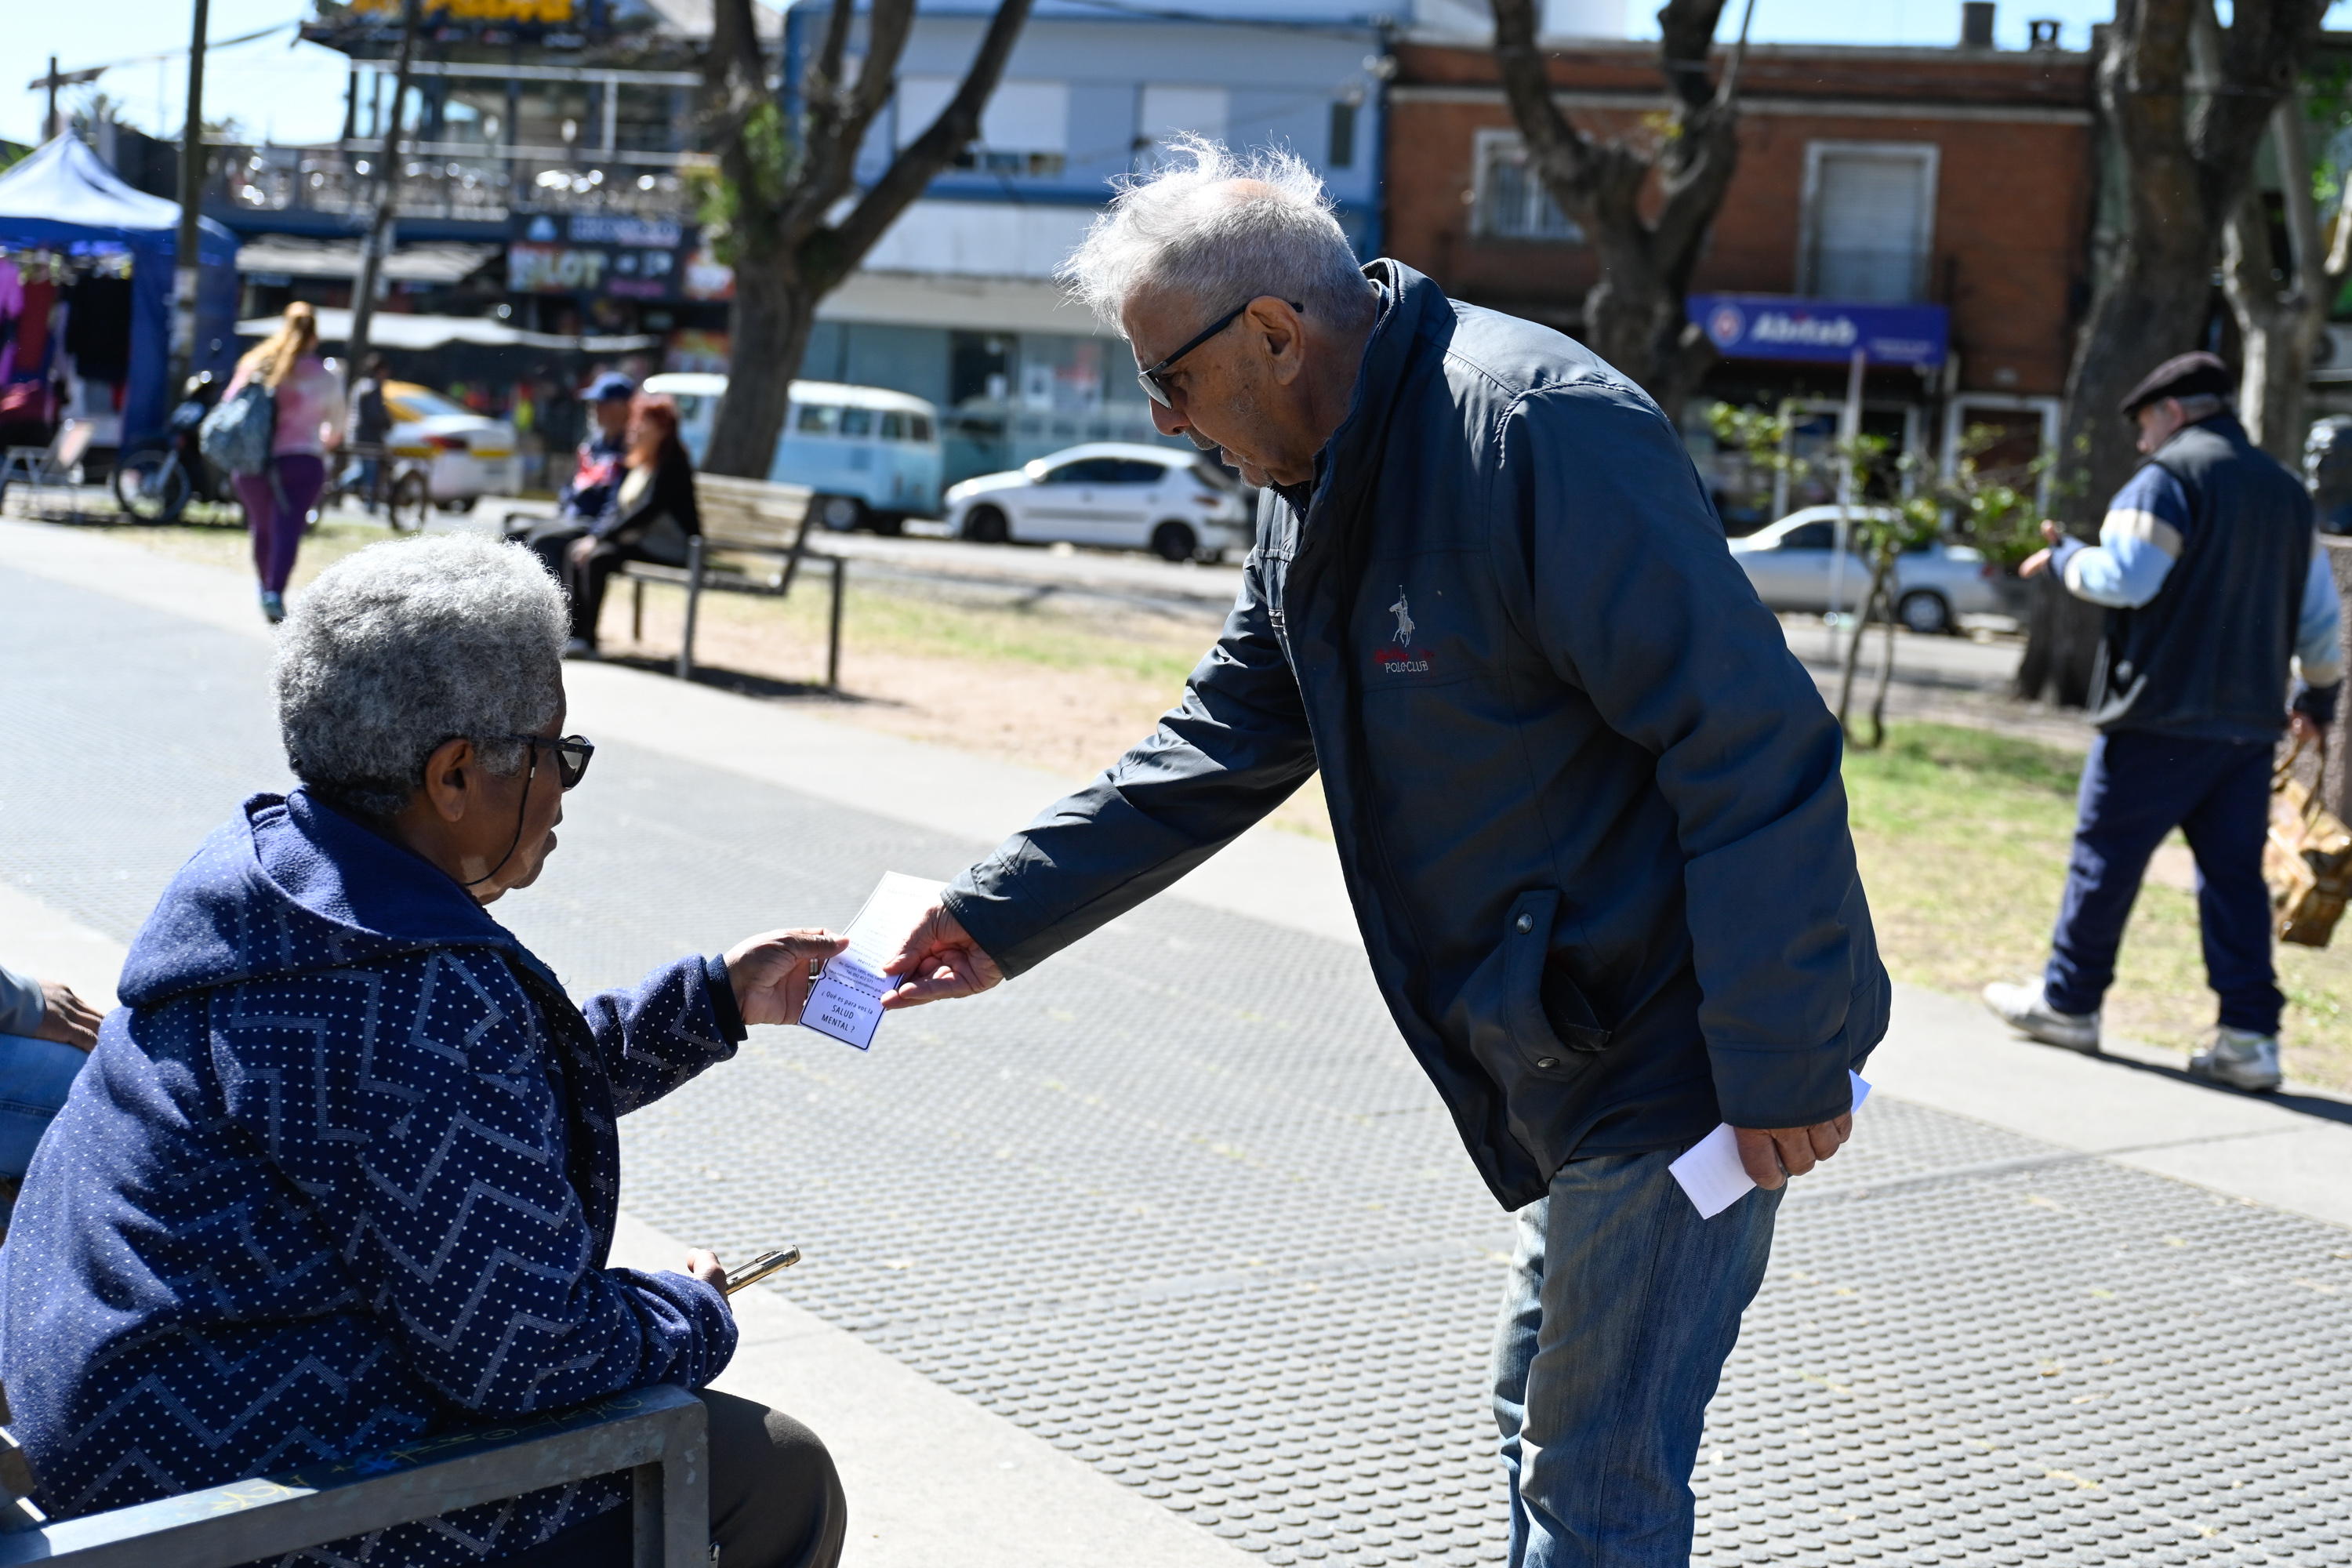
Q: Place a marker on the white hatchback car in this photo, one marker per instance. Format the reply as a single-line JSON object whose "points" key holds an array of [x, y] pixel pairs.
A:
{"points": [[1935, 585], [463, 455], [1178, 506]]}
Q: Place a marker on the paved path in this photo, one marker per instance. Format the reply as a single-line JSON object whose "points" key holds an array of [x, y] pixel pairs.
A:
{"points": [[1167, 1249]]}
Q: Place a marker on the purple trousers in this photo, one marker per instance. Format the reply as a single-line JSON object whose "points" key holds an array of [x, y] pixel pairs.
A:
{"points": [[278, 530]]}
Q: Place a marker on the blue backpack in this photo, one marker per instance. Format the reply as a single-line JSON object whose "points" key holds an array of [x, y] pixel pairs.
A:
{"points": [[235, 435]]}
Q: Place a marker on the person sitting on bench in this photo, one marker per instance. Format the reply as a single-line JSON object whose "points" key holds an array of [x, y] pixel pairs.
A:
{"points": [[46, 1034], [650, 517], [341, 1174]]}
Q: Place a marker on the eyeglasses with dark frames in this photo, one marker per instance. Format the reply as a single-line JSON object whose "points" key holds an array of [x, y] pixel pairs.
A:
{"points": [[1156, 389], [572, 754]]}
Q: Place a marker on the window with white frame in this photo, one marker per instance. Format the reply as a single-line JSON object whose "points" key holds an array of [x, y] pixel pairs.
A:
{"points": [[1869, 221], [1024, 129], [1509, 200], [1168, 111]]}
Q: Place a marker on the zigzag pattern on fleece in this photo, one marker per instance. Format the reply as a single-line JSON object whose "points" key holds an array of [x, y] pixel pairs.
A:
{"points": [[345, 1206]]}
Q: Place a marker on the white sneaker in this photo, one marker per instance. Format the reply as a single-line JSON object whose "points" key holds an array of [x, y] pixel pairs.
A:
{"points": [[2239, 1059], [2022, 1009]]}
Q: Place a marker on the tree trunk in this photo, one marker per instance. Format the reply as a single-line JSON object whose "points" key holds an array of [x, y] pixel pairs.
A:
{"points": [[2188, 154], [2281, 303], [1634, 317], [767, 328]]}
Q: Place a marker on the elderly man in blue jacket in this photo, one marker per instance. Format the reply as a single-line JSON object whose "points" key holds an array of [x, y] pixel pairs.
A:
{"points": [[1587, 805]]}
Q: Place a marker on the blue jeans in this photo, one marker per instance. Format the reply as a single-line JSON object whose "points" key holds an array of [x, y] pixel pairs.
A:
{"points": [[2138, 786], [35, 1078], [1622, 1306]]}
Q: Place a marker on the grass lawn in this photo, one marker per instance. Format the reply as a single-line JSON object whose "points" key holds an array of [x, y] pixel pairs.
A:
{"points": [[1962, 832], [1963, 836]]}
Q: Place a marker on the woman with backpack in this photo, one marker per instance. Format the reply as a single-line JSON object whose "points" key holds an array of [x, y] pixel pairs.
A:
{"points": [[306, 405]]}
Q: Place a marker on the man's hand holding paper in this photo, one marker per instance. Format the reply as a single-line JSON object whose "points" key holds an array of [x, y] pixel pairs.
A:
{"points": [[938, 960]]}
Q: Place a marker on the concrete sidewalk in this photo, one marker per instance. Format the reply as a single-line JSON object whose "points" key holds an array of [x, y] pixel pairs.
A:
{"points": [[1177, 1219]]}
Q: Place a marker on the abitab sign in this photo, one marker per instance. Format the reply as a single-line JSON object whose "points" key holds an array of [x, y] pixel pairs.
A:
{"points": [[1824, 332]]}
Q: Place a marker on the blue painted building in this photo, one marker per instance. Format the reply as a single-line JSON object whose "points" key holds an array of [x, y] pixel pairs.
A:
{"points": [[958, 302]]}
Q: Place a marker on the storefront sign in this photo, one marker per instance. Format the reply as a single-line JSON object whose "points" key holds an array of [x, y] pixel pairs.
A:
{"points": [[1771, 326], [544, 13], [599, 254]]}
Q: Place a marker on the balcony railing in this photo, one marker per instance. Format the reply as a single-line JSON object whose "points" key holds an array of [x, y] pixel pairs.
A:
{"points": [[441, 180]]}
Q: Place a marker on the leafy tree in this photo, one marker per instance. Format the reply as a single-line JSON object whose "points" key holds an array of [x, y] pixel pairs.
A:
{"points": [[774, 206]]}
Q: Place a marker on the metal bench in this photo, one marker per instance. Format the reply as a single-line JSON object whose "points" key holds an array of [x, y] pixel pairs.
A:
{"points": [[659, 1434], [742, 517], [54, 467]]}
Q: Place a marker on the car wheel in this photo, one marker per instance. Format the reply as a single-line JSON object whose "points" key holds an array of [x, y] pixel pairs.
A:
{"points": [[985, 525], [1924, 612], [1174, 542], [890, 524], [840, 513]]}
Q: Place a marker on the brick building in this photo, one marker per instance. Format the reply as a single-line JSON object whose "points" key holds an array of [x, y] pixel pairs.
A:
{"points": [[1965, 178]]}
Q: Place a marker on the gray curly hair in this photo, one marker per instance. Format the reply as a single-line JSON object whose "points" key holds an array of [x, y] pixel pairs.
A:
{"points": [[1220, 229], [408, 644]]}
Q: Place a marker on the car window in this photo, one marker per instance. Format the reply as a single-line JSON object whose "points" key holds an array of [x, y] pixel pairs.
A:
{"points": [[1135, 471], [1085, 471], [415, 403], [819, 419], [894, 425], [857, 422], [918, 427], [1214, 477], [1809, 536], [689, 406]]}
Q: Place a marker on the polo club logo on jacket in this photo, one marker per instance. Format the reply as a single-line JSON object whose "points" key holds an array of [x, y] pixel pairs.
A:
{"points": [[1401, 659]]}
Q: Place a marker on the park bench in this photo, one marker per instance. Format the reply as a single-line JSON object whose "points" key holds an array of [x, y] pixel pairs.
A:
{"points": [[740, 516], [659, 1434], [53, 467]]}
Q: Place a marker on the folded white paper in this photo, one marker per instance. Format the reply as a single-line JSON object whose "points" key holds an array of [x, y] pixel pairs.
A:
{"points": [[846, 1000], [1710, 1170]]}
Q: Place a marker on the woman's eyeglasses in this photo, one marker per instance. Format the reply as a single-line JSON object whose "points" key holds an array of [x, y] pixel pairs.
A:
{"points": [[1156, 389], [572, 754]]}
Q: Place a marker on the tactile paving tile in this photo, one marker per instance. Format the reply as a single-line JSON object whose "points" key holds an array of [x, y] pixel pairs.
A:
{"points": [[1181, 1203]]}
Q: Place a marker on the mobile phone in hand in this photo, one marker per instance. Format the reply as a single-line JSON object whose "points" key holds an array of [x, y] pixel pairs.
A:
{"points": [[759, 1268]]}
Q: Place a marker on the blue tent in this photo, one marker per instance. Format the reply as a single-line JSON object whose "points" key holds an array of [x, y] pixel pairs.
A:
{"points": [[62, 198]]}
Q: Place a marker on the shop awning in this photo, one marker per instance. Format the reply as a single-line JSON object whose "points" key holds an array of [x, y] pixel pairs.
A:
{"points": [[291, 255], [391, 330]]}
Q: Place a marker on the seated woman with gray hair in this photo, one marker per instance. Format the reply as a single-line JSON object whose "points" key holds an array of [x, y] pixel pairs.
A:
{"points": [[341, 1173]]}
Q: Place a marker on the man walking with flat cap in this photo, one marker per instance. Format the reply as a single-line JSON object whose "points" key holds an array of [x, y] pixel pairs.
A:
{"points": [[2214, 584]]}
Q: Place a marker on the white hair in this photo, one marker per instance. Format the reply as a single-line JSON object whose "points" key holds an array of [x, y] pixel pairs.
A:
{"points": [[411, 643], [1219, 230]]}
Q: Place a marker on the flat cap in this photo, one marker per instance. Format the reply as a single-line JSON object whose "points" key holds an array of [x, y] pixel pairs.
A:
{"points": [[608, 386], [2197, 375]]}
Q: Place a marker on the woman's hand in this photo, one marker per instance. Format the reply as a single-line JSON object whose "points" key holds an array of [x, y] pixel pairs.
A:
{"points": [[705, 1266], [67, 1018], [581, 548], [771, 972]]}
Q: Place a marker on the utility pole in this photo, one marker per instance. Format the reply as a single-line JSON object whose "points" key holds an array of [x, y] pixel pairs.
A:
{"points": [[54, 127], [380, 227], [185, 263]]}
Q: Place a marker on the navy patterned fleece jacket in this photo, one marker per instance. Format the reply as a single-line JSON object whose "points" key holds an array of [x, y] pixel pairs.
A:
{"points": [[341, 1174]]}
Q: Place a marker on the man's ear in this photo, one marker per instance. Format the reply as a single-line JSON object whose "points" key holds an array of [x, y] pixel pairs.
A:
{"points": [[446, 774], [1283, 334]]}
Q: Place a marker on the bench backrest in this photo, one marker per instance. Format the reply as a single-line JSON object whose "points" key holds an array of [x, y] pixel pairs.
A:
{"points": [[750, 514]]}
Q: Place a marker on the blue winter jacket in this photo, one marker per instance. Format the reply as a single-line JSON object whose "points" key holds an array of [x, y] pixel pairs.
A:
{"points": [[341, 1174], [1587, 804]]}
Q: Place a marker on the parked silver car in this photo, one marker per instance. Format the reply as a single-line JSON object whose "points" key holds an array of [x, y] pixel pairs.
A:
{"points": [[1935, 585], [1173, 502]]}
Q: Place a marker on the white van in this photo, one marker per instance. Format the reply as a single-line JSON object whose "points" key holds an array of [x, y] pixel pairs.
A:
{"points": [[873, 457]]}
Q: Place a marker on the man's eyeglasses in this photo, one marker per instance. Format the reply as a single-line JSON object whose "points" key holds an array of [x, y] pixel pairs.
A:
{"points": [[1156, 389], [572, 754]]}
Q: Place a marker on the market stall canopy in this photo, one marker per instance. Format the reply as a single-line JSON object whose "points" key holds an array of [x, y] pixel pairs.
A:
{"points": [[390, 330], [62, 198], [290, 256]]}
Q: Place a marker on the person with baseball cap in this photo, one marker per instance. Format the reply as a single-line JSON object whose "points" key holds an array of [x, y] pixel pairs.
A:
{"points": [[2214, 584], [595, 475]]}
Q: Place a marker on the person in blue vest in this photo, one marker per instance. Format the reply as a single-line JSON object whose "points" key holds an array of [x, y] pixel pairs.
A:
{"points": [[2215, 584]]}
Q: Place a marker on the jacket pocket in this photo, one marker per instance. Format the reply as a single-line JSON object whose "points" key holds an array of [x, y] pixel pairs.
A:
{"points": [[1521, 1015]]}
